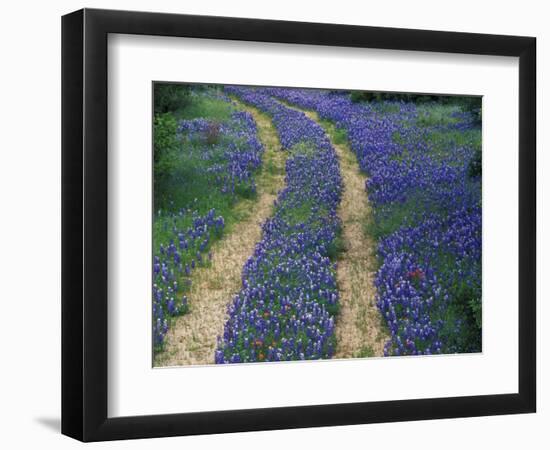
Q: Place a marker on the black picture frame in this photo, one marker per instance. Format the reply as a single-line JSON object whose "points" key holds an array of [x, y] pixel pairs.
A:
{"points": [[84, 224]]}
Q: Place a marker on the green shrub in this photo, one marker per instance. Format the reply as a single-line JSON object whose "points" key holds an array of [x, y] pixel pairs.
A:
{"points": [[170, 97], [360, 96], [165, 144], [471, 105], [367, 96], [475, 307], [474, 168]]}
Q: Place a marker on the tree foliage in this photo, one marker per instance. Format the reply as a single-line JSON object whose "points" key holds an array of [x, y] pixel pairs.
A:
{"points": [[165, 144], [170, 97]]}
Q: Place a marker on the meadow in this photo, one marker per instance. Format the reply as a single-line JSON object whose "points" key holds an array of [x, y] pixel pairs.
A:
{"points": [[300, 224]]}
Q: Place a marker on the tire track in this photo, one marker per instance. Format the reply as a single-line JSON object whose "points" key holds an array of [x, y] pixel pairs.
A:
{"points": [[192, 338], [360, 331]]}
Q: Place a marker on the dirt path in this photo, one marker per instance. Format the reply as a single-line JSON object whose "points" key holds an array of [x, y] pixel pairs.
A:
{"points": [[359, 329], [191, 339]]}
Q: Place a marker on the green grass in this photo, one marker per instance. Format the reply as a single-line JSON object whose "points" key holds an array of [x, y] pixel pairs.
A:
{"points": [[389, 220], [338, 135], [433, 114], [186, 185], [465, 300], [386, 107], [337, 246], [303, 149], [442, 141], [365, 352], [190, 189], [298, 214], [200, 105], [272, 169], [441, 144], [465, 305]]}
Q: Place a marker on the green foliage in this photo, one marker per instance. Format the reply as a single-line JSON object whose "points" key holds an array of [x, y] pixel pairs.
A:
{"points": [[179, 166], [337, 246], [435, 114], [182, 179], [165, 144], [303, 149], [474, 168], [387, 219], [387, 107], [467, 104], [365, 352], [190, 101], [475, 307], [381, 225], [364, 96], [442, 141], [471, 105], [464, 311], [186, 182], [170, 97], [368, 96], [200, 105], [272, 169], [338, 135], [163, 224], [465, 307], [441, 144]]}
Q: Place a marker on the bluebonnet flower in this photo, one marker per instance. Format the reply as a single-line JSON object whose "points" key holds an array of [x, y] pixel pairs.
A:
{"points": [[232, 162], [286, 308], [435, 256]]}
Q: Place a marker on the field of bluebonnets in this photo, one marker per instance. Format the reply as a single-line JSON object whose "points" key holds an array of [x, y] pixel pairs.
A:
{"points": [[420, 158]]}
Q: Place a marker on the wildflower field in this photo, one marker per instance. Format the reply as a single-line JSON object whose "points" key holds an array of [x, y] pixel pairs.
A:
{"points": [[302, 224]]}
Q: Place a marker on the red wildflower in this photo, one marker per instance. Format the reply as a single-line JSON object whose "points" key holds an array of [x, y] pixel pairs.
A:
{"points": [[416, 274]]}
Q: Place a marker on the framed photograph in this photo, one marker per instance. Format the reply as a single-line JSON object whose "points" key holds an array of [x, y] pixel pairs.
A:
{"points": [[273, 224]]}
